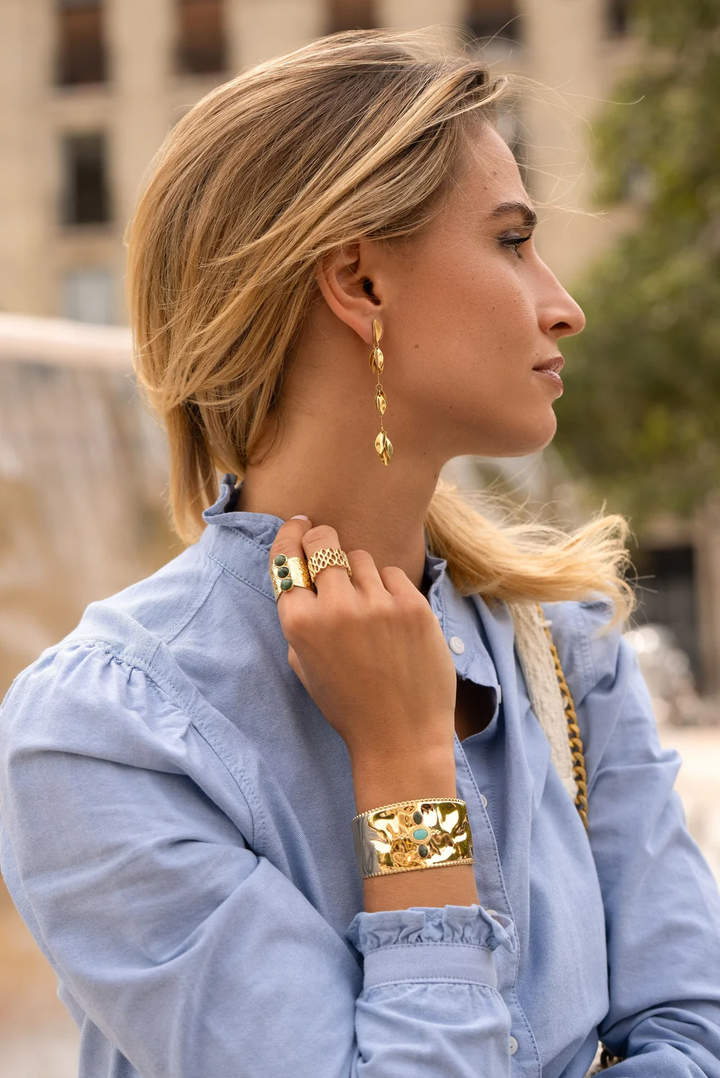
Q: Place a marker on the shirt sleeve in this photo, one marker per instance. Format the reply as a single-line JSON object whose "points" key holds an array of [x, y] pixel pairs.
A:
{"points": [[662, 905], [190, 953]]}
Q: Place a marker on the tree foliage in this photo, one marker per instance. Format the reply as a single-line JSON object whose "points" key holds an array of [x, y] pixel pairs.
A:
{"points": [[641, 415]]}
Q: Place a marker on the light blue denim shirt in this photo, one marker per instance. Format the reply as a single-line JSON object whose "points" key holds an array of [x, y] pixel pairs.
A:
{"points": [[176, 834]]}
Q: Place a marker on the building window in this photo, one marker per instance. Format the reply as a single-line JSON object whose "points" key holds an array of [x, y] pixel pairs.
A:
{"points": [[88, 295], [351, 15], [86, 198], [618, 16], [201, 37], [490, 18], [82, 56]]}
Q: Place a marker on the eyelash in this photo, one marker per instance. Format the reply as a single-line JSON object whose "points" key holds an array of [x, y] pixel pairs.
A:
{"points": [[515, 243]]}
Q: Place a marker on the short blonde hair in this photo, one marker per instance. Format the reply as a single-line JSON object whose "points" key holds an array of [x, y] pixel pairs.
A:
{"points": [[354, 135]]}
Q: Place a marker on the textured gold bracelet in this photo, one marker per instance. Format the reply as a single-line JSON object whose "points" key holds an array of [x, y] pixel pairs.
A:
{"points": [[427, 833]]}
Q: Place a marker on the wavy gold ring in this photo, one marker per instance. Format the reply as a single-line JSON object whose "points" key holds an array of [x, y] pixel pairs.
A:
{"points": [[321, 559]]}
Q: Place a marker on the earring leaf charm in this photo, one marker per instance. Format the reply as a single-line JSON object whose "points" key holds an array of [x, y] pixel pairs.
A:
{"points": [[383, 445]]}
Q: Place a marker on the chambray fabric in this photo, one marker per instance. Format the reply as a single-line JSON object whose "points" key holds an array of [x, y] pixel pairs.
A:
{"points": [[176, 834]]}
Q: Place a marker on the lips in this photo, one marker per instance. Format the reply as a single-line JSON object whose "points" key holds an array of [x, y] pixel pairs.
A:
{"points": [[555, 364], [550, 370]]}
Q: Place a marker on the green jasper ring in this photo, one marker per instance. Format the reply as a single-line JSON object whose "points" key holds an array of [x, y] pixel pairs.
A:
{"points": [[288, 572]]}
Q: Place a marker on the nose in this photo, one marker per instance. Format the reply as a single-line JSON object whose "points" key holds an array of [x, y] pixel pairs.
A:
{"points": [[559, 314]]}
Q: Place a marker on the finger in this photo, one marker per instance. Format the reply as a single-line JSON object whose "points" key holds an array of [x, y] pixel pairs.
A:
{"points": [[365, 578], [288, 541], [333, 579], [399, 584]]}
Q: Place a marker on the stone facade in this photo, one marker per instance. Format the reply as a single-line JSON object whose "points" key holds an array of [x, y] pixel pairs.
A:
{"points": [[54, 268], [75, 152]]}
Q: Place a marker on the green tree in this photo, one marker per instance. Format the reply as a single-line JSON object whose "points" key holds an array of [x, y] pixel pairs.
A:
{"points": [[641, 415]]}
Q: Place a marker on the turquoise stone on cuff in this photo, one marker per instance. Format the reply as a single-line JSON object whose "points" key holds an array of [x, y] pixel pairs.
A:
{"points": [[279, 559], [286, 585], [420, 833]]}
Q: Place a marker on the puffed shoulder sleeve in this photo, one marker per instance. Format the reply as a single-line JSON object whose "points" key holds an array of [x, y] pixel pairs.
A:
{"points": [[662, 906], [188, 952]]}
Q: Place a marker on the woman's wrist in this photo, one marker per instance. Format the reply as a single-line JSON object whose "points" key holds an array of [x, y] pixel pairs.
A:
{"points": [[402, 773]]}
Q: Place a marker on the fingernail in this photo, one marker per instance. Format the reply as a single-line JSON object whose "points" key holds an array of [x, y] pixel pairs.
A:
{"points": [[299, 516]]}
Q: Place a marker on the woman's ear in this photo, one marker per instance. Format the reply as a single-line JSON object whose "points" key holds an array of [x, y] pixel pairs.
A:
{"points": [[349, 290]]}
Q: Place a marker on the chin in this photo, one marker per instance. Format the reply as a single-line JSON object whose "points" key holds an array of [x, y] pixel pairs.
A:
{"points": [[522, 443], [551, 428]]}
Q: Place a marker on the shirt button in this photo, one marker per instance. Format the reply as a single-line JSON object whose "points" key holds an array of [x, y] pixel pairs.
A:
{"points": [[493, 913], [456, 645], [498, 692], [513, 1046], [483, 798]]}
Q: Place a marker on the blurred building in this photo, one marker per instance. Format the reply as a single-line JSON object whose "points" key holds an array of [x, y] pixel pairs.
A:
{"points": [[91, 87], [83, 471]]}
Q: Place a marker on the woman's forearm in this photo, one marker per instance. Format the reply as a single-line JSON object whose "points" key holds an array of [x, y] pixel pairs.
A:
{"points": [[405, 774]]}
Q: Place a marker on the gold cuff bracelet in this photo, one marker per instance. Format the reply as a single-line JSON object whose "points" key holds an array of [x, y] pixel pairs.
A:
{"points": [[428, 833]]}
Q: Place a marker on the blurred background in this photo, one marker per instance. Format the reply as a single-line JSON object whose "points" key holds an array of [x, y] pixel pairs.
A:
{"points": [[616, 129]]}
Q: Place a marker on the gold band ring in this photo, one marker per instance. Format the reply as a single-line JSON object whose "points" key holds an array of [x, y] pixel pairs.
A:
{"points": [[287, 573], [321, 559]]}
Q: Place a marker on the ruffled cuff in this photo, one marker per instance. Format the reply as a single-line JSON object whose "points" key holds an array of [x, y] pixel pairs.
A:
{"points": [[431, 924], [395, 943]]}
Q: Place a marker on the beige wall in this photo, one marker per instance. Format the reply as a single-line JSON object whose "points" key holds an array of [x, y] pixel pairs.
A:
{"points": [[564, 47], [568, 52]]}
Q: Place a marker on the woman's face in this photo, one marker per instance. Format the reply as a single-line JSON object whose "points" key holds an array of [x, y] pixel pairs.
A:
{"points": [[470, 312]]}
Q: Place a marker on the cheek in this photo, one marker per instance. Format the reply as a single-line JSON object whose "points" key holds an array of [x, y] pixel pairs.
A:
{"points": [[469, 336], [475, 314]]}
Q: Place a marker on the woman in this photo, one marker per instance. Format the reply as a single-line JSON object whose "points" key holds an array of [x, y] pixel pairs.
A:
{"points": [[192, 777]]}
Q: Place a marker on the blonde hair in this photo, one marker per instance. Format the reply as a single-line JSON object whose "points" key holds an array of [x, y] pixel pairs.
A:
{"points": [[354, 135]]}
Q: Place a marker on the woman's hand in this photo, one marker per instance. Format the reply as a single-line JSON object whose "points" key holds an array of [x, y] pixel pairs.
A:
{"points": [[370, 652]]}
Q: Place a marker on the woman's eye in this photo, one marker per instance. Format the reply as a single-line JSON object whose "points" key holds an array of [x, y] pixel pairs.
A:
{"points": [[515, 242]]}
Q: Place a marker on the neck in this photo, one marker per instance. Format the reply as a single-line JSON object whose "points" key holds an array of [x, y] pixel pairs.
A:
{"points": [[371, 506]]}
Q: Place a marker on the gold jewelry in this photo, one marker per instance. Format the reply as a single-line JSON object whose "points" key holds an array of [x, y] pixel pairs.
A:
{"points": [[576, 745], [327, 556], [287, 573], [383, 445], [428, 833]]}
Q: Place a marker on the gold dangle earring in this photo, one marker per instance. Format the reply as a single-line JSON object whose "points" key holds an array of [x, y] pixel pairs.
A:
{"points": [[383, 445]]}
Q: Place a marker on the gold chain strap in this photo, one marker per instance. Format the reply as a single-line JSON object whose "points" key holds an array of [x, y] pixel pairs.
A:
{"points": [[607, 1059], [576, 745]]}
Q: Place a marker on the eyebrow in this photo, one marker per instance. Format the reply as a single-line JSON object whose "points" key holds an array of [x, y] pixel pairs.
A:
{"points": [[530, 218]]}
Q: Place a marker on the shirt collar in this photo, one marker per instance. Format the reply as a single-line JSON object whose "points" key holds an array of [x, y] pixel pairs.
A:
{"points": [[240, 541], [260, 529]]}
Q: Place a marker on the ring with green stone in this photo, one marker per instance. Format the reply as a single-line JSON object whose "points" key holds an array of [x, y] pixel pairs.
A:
{"points": [[287, 572]]}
